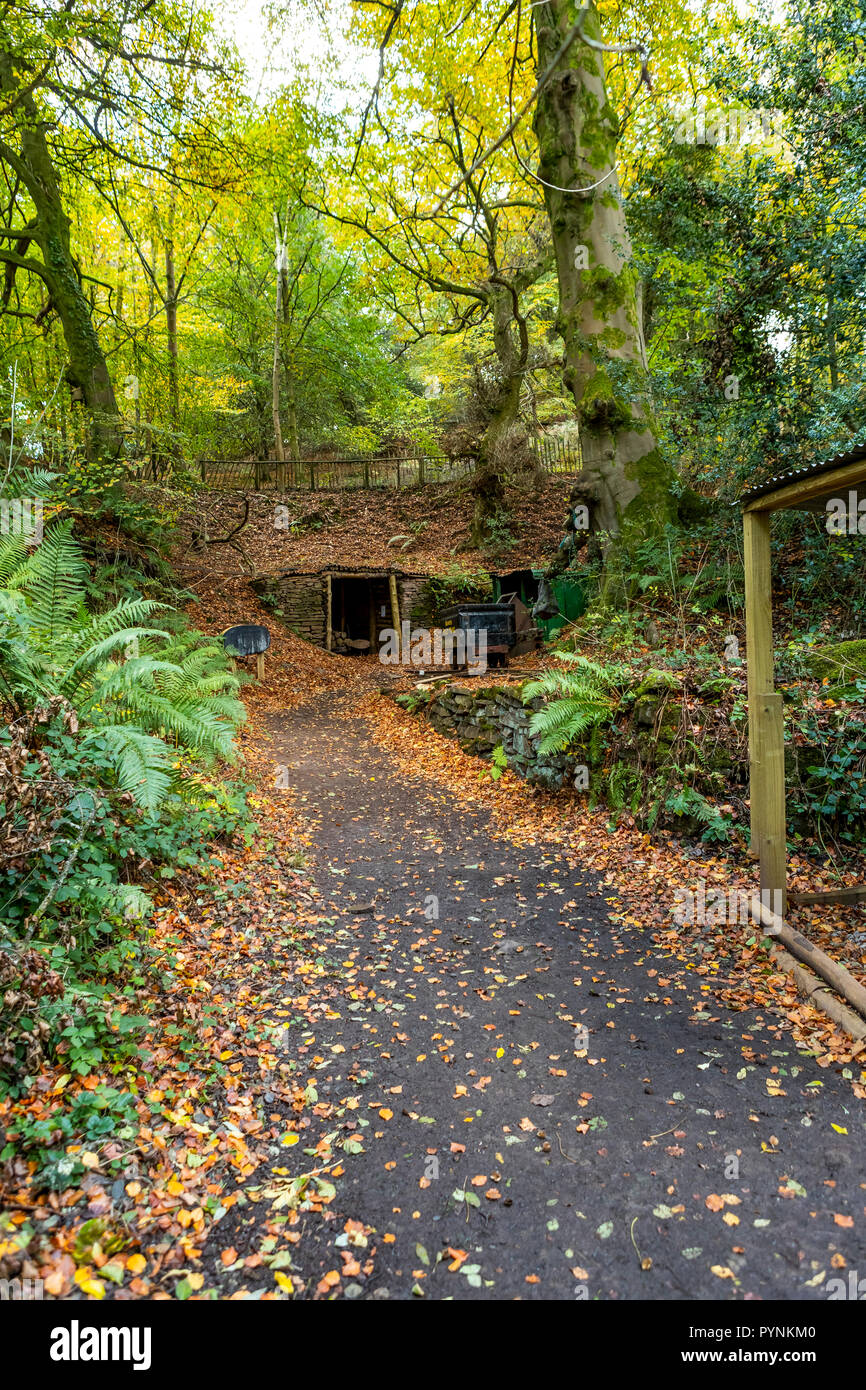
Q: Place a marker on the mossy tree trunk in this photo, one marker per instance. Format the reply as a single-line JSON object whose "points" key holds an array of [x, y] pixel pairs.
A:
{"points": [[627, 481], [501, 405], [49, 232]]}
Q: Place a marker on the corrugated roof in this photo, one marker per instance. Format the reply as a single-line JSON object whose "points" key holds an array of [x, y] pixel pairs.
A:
{"points": [[796, 475]]}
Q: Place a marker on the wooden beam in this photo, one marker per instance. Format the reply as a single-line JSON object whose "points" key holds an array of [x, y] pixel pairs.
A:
{"points": [[856, 894], [260, 666], [830, 970], [832, 484], [766, 735], [328, 613], [395, 605]]}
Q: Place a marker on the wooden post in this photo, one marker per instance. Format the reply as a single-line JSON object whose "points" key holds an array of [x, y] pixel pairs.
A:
{"points": [[328, 612], [313, 478], [204, 470], [372, 618], [366, 473], [260, 666], [395, 606], [766, 735]]}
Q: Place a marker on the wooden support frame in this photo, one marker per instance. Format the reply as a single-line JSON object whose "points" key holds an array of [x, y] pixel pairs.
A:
{"points": [[766, 724], [329, 621], [766, 736]]}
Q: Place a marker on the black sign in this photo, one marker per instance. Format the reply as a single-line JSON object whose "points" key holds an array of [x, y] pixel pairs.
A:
{"points": [[246, 640]]}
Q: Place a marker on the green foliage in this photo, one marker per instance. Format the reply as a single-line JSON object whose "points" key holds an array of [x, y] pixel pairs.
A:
{"points": [[455, 583], [689, 802], [104, 789], [498, 765], [829, 793], [145, 692], [583, 698]]}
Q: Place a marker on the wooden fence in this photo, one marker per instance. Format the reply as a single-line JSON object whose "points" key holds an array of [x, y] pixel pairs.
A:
{"points": [[395, 471]]}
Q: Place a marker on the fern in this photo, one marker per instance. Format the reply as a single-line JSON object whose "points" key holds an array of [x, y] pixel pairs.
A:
{"points": [[689, 802], [142, 764], [583, 698], [53, 579], [177, 688]]}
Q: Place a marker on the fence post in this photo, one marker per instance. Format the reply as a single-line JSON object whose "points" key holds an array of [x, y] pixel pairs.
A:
{"points": [[203, 467], [398, 473], [366, 473], [421, 471], [312, 476]]}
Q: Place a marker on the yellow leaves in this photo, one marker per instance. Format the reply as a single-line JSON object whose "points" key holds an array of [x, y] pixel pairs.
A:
{"points": [[285, 1283], [722, 1272], [94, 1288], [730, 1219], [289, 1139], [840, 1129], [460, 1091], [386, 1114], [136, 1264]]}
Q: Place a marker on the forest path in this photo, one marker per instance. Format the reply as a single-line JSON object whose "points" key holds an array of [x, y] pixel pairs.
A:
{"points": [[681, 1150]]}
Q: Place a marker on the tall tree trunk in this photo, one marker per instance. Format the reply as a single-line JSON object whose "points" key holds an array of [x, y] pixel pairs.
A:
{"points": [[626, 481], [292, 414], [171, 325], [87, 371], [279, 451], [503, 409], [289, 366]]}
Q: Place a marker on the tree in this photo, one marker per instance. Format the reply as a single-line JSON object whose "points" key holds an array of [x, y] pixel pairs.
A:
{"points": [[82, 90], [440, 271], [627, 482]]}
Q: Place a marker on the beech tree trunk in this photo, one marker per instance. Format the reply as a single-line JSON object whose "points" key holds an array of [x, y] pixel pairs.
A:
{"points": [[626, 481], [501, 403]]}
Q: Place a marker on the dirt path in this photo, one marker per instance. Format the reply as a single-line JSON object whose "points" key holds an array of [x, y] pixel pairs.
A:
{"points": [[678, 1150]]}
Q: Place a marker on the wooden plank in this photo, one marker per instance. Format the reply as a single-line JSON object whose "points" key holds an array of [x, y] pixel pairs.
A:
{"points": [[773, 852], [395, 606], [830, 484], [766, 737], [328, 613], [260, 665], [856, 894]]}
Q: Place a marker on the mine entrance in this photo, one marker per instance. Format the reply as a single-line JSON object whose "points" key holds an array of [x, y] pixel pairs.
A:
{"points": [[360, 606]]}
